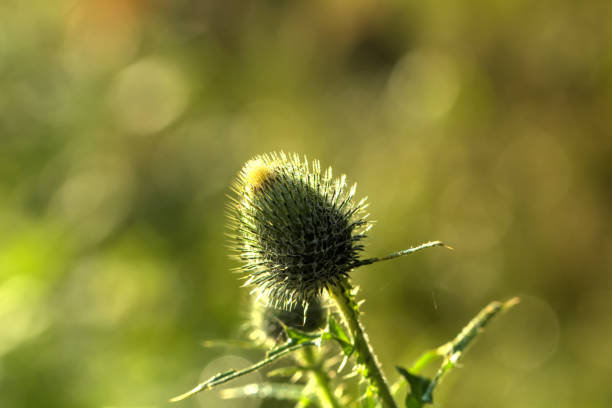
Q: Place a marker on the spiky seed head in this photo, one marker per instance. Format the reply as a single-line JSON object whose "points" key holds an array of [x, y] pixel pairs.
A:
{"points": [[267, 322], [297, 230]]}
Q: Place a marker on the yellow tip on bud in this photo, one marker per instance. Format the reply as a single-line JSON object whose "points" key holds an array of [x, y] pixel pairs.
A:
{"points": [[256, 174]]}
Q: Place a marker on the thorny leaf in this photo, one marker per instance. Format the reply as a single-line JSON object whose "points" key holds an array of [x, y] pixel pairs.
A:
{"points": [[422, 388], [229, 375]]}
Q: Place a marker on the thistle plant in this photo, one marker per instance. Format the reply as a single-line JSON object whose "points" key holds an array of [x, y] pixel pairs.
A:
{"points": [[298, 233]]}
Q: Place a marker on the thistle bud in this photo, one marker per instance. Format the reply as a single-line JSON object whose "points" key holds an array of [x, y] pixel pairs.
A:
{"points": [[267, 323], [297, 230]]}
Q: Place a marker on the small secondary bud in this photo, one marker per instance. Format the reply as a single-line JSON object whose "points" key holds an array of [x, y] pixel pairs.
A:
{"points": [[296, 229], [267, 323]]}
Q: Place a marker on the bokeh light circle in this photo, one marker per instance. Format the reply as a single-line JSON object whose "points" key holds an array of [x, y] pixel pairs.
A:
{"points": [[147, 96]]}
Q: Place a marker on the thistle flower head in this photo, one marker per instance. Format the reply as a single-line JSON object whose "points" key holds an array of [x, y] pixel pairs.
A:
{"points": [[296, 229]]}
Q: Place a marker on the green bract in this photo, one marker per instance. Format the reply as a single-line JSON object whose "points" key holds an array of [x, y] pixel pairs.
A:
{"points": [[297, 230]]}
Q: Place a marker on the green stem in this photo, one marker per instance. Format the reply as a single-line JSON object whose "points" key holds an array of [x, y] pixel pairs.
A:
{"points": [[366, 359], [321, 379]]}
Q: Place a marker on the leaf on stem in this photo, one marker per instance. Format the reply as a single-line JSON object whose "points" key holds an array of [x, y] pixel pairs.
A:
{"points": [[418, 395], [229, 375], [296, 337], [337, 333], [421, 388]]}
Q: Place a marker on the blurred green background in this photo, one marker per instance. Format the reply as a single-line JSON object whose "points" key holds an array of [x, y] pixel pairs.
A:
{"points": [[485, 124]]}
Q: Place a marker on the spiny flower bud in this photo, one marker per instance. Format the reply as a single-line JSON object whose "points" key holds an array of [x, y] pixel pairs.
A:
{"points": [[267, 323], [296, 229]]}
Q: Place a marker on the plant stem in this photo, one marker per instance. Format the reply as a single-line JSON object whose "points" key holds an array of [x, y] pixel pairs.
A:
{"points": [[321, 379], [366, 359]]}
